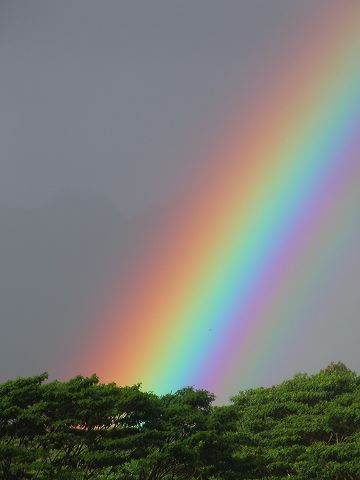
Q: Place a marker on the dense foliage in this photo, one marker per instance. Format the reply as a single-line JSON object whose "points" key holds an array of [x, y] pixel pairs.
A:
{"points": [[305, 428]]}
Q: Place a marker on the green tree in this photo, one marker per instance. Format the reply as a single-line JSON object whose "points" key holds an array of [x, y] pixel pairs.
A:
{"points": [[305, 428], [171, 445], [68, 430], [21, 424]]}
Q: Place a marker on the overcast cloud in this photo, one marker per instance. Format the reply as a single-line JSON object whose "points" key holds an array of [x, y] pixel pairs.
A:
{"points": [[107, 108]]}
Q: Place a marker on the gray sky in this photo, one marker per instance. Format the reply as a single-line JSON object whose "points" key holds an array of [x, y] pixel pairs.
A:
{"points": [[118, 97], [107, 108]]}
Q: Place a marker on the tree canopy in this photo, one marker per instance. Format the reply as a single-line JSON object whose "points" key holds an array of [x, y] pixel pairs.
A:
{"points": [[305, 428]]}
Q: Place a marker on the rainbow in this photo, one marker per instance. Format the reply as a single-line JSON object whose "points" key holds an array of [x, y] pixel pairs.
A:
{"points": [[198, 305]]}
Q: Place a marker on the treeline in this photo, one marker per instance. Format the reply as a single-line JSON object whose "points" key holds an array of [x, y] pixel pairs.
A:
{"points": [[306, 428]]}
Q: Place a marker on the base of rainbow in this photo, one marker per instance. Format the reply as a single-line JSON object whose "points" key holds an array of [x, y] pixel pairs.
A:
{"points": [[196, 311]]}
